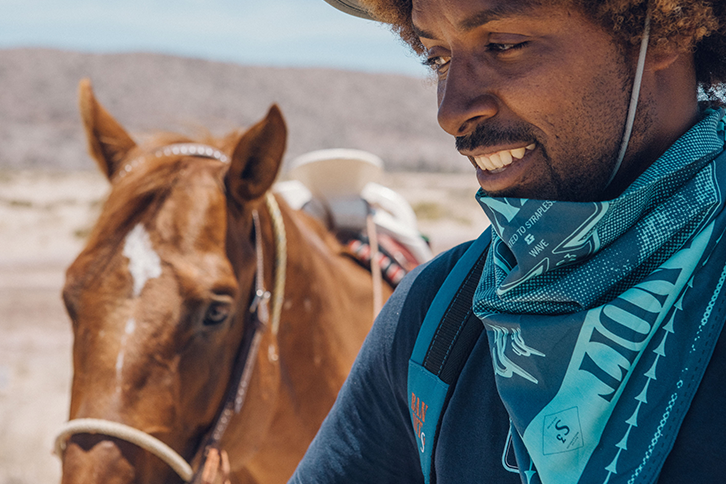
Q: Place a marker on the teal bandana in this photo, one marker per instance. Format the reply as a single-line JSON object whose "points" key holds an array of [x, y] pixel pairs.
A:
{"points": [[599, 315]]}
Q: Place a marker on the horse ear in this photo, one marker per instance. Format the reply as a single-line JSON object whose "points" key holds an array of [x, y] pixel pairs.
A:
{"points": [[108, 142], [257, 158]]}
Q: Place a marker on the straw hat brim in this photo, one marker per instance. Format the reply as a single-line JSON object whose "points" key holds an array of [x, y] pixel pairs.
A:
{"points": [[351, 7]]}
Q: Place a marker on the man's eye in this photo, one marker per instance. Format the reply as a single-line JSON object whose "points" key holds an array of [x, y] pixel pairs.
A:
{"points": [[494, 47], [436, 63]]}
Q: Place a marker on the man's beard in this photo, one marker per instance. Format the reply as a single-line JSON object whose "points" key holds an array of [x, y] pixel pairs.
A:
{"points": [[562, 188]]}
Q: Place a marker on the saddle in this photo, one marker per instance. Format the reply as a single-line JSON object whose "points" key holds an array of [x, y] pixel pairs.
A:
{"points": [[339, 188]]}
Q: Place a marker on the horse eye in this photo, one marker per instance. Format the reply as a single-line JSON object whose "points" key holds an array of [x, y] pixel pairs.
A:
{"points": [[217, 313]]}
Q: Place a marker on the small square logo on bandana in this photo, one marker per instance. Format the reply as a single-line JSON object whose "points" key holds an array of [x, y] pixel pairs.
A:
{"points": [[562, 432]]}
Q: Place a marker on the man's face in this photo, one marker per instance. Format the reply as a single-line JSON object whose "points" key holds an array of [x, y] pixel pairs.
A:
{"points": [[536, 96]]}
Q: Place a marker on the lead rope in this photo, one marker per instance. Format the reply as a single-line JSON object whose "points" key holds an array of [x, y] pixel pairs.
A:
{"points": [[375, 266], [278, 291], [159, 448]]}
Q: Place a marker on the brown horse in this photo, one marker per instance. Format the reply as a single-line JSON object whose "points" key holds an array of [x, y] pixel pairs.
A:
{"points": [[163, 298]]}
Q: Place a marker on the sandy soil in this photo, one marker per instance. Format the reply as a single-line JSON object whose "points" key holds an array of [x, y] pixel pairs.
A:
{"points": [[44, 218]]}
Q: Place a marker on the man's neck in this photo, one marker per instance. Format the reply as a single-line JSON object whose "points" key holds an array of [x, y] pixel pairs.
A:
{"points": [[668, 109]]}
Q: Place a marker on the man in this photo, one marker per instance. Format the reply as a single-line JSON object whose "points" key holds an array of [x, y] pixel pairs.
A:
{"points": [[601, 293]]}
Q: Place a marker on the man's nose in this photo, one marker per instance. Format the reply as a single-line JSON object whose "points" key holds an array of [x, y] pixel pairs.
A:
{"points": [[465, 99]]}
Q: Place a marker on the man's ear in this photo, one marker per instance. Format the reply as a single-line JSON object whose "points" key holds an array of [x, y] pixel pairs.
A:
{"points": [[108, 142], [660, 58], [257, 158]]}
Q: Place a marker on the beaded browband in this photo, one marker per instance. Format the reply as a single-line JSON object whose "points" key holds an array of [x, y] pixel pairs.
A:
{"points": [[192, 149]]}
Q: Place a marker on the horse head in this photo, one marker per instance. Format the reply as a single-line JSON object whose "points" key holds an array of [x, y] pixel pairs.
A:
{"points": [[159, 297]]}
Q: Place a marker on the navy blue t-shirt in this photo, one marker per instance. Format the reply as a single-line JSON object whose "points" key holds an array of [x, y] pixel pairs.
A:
{"points": [[368, 437]]}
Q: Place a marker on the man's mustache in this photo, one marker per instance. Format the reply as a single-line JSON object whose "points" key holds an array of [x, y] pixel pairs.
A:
{"points": [[484, 136]]}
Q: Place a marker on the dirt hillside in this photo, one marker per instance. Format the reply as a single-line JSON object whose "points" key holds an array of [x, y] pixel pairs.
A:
{"points": [[393, 116]]}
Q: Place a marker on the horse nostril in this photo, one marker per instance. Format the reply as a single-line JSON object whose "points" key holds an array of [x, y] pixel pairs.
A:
{"points": [[91, 459], [88, 441]]}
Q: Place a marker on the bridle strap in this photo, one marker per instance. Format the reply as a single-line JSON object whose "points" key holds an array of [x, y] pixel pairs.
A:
{"points": [[176, 149], [237, 391], [257, 325], [260, 303]]}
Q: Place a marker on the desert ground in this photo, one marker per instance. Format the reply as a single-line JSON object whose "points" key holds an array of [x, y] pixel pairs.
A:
{"points": [[44, 219]]}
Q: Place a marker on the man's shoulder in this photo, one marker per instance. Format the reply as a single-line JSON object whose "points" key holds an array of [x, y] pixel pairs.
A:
{"points": [[393, 336]]}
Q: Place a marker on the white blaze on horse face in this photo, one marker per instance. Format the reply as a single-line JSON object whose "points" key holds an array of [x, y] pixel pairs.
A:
{"points": [[128, 331], [144, 262]]}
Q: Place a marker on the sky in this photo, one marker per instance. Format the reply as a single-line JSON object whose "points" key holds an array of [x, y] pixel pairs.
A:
{"points": [[286, 33]]}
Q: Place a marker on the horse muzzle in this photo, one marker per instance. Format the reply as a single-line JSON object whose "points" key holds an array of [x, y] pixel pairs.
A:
{"points": [[99, 451]]}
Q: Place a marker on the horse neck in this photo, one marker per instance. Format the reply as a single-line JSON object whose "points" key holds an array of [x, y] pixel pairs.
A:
{"points": [[326, 313]]}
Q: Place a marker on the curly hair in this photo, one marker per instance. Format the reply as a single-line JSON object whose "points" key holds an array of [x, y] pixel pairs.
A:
{"points": [[689, 25]]}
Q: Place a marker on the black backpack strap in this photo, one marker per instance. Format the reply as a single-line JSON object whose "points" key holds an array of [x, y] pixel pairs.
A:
{"points": [[447, 336]]}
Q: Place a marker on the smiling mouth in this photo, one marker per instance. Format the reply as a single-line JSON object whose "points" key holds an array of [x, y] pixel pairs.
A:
{"points": [[500, 160]]}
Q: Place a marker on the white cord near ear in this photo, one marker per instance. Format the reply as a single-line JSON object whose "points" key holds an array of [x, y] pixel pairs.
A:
{"points": [[633, 98]]}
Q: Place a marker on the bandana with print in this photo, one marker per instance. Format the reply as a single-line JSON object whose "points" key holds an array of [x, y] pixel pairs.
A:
{"points": [[599, 315]]}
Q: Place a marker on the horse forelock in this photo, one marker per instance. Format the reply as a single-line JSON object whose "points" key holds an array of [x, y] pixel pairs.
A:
{"points": [[137, 196], [135, 199]]}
